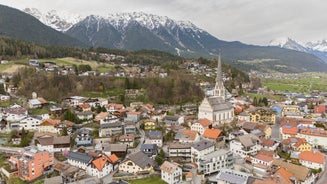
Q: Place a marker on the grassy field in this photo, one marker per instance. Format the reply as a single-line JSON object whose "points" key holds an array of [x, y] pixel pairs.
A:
{"points": [[155, 180], [305, 83], [14, 66]]}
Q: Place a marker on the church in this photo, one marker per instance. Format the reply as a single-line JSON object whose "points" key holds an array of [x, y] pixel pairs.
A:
{"points": [[215, 108]]}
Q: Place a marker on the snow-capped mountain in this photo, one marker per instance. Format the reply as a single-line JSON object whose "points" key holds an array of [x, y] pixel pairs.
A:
{"points": [[318, 48], [61, 21], [144, 31], [288, 43]]}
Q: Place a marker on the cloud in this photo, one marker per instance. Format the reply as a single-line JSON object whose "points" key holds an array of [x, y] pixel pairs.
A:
{"points": [[249, 21]]}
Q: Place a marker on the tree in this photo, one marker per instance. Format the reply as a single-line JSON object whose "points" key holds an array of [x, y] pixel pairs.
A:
{"points": [[160, 157], [64, 131], [255, 101], [70, 116]]}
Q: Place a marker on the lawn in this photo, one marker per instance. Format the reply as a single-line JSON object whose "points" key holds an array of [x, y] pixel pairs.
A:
{"points": [[305, 83], [155, 180]]}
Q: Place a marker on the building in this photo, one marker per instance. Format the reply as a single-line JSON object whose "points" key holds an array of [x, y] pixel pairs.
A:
{"points": [[30, 123], [262, 114], [176, 150], [109, 129], [201, 125], [31, 163], [84, 137], [154, 137], [173, 120], [245, 145], [133, 116], [216, 108], [215, 161], [80, 160], [137, 163], [127, 139], [171, 172], [200, 149], [187, 136], [150, 150], [213, 134], [313, 160], [228, 176], [49, 125], [290, 110], [149, 125], [53, 143]]}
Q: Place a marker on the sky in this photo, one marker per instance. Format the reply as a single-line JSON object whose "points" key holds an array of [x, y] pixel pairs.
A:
{"points": [[249, 21]]}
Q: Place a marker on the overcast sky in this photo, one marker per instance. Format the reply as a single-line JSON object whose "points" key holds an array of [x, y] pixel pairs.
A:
{"points": [[248, 21]]}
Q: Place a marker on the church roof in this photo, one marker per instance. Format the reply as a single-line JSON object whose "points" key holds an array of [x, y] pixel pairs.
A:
{"points": [[218, 103]]}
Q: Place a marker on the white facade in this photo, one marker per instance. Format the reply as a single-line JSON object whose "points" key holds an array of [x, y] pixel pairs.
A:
{"points": [[237, 148], [196, 155], [216, 116], [215, 161], [131, 167], [30, 123], [172, 175], [158, 142], [198, 127], [93, 171], [78, 164]]}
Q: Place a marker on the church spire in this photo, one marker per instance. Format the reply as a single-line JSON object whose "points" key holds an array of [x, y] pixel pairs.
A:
{"points": [[219, 87]]}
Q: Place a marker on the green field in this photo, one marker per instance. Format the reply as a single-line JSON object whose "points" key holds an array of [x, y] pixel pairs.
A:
{"points": [[155, 180], [13, 66], [305, 83]]}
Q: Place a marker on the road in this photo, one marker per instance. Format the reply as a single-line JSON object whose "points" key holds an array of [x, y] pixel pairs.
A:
{"points": [[275, 134], [10, 149], [138, 147], [323, 176]]}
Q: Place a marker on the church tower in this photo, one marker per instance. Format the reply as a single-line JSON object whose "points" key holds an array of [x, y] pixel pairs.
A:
{"points": [[219, 87]]}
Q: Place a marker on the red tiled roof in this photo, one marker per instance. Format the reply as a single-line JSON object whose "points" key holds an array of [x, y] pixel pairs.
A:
{"points": [[267, 142], [84, 106], [263, 157], [51, 121], [136, 113], [211, 133], [204, 122], [191, 134], [300, 141], [113, 158], [99, 163], [315, 157], [289, 130]]}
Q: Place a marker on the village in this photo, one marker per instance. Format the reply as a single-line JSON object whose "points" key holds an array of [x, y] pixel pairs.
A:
{"points": [[227, 138]]}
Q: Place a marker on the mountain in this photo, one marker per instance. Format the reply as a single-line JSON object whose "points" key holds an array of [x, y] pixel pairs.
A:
{"points": [[318, 48], [19, 25], [60, 21], [137, 31]]}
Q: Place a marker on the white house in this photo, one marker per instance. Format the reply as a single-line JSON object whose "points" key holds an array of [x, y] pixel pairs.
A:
{"points": [[200, 149], [80, 160], [100, 167], [201, 125], [245, 145], [137, 163], [215, 161], [30, 123], [171, 172], [313, 160], [154, 137], [53, 143]]}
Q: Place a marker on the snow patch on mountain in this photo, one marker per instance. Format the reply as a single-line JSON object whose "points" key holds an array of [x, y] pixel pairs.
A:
{"points": [[318, 45], [288, 43]]}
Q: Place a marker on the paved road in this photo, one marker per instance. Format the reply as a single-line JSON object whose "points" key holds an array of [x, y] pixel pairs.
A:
{"points": [[275, 134], [138, 147], [10, 149], [323, 177]]}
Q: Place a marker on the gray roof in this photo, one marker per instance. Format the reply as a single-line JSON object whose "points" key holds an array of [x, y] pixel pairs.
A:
{"points": [[149, 146], [111, 125], [114, 147], [249, 125], [171, 118], [218, 103], [248, 140], [202, 145], [141, 159], [231, 178], [80, 157], [179, 145]]}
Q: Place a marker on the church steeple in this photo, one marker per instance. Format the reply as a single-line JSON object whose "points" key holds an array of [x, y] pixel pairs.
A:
{"points": [[219, 87]]}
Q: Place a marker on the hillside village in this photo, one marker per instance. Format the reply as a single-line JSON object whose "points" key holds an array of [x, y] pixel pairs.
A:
{"points": [[226, 138]]}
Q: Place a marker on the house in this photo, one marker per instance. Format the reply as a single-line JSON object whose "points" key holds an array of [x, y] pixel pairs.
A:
{"points": [[244, 116], [173, 120], [253, 127], [80, 160], [110, 129], [129, 128], [16, 139], [127, 139], [74, 101], [213, 134], [263, 160], [84, 115], [149, 125], [31, 163], [187, 136], [53, 143], [295, 144], [133, 116], [299, 174], [269, 144], [288, 110], [262, 114], [64, 124], [320, 109], [118, 149], [37, 103], [100, 167], [171, 172], [14, 113], [226, 176], [201, 125], [85, 107], [312, 159], [150, 150], [179, 150], [137, 163], [30, 123], [215, 161], [200, 149], [245, 145], [69, 173], [112, 107], [154, 137], [84, 137], [49, 125]]}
